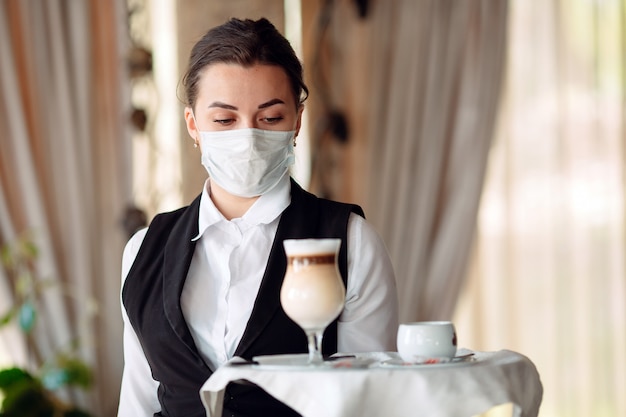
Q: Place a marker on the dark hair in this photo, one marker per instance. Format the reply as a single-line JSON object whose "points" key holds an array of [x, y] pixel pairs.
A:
{"points": [[244, 42]]}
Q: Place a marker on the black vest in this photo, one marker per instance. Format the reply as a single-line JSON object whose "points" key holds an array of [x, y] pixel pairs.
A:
{"points": [[151, 297]]}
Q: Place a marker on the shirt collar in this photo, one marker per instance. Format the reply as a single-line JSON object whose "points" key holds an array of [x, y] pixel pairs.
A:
{"points": [[264, 211]]}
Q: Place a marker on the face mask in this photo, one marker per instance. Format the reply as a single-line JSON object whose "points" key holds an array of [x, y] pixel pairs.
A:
{"points": [[247, 162]]}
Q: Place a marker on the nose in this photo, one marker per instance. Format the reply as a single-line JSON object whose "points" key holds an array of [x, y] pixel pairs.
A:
{"points": [[250, 123]]}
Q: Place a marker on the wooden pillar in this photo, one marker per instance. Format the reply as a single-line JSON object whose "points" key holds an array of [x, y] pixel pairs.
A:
{"points": [[337, 73]]}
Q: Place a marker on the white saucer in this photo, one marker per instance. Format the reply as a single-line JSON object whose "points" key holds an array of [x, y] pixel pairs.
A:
{"points": [[295, 359], [464, 359], [301, 362]]}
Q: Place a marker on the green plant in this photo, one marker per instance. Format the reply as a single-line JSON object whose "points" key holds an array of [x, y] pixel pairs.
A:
{"points": [[31, 391]]}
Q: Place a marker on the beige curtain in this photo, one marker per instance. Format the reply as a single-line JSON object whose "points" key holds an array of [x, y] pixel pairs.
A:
{"points": [[63, 174], [548, 275], [436, 69]]}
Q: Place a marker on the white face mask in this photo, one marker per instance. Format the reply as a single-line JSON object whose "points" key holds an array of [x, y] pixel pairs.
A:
{"points": [[247, 162]]}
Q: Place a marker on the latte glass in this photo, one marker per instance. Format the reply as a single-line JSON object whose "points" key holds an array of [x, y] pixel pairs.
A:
{"points": [[312, 293]]}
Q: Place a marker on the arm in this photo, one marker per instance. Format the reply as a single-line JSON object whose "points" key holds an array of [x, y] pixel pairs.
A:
{"points": [[369, 321], [138, 395]]}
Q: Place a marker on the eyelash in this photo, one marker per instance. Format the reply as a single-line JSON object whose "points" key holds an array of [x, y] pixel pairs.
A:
{"points": [[271, 120], [268, 120]]}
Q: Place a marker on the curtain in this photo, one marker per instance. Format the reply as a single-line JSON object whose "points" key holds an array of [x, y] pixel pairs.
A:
{"points": [[547, 278], [436, 75], [64, 176]]}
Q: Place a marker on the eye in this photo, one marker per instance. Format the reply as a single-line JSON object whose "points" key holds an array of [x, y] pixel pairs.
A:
{"points": [[223, 122], [272, 120]]}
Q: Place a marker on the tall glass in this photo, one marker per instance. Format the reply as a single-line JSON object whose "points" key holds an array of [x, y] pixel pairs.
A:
{"points": [[312, 293]]}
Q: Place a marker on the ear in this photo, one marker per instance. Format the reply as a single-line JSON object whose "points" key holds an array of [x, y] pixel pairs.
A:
{"points": [[192, 129], [299, 119]]}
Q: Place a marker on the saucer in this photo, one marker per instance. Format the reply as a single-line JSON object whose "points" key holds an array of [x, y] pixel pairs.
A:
{"points": [[465, 358], [301, 362], [295, 359]]}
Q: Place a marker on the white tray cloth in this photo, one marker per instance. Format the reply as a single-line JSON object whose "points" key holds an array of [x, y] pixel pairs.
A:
{"points": [[449, 390]]}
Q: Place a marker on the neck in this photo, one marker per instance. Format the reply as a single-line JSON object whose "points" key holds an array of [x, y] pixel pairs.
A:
{"points": [[231, 206]]}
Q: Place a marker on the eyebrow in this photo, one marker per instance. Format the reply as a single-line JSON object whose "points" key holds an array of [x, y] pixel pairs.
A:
{"points": [[222, 105], [271, 103], [261, 106]]}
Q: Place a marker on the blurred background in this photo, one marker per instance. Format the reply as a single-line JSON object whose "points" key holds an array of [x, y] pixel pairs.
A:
{"points": [[485, 140]]}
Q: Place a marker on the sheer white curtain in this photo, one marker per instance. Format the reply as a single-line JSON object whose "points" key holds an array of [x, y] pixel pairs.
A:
{"points": [[436, 68], [63, 172], [548, 275]]}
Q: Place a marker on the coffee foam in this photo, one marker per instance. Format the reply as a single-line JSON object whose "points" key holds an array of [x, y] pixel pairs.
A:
{"points": [[301, 247]]}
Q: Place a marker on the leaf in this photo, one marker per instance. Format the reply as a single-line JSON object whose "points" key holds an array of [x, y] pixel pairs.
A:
{"points": [[11, 376], [29, 249], [76, 413], [8, 316], [27, 316], [66, 371], [6, 255], [27, 399], [24, 283], [54, 378]]}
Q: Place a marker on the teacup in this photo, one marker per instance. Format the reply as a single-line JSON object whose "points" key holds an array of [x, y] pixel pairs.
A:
{"points": [[419, 341]]}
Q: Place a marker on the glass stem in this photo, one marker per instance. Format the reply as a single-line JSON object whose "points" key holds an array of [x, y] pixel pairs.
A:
{"points": [[315, 346]]}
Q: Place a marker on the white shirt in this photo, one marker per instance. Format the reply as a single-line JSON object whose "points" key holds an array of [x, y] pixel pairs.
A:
{"points": [[224, 285]]}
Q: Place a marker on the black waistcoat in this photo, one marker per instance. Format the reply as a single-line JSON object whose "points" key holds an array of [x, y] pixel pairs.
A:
{"points": [[151, 297]]}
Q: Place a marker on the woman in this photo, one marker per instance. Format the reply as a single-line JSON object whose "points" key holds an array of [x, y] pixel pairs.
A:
{"points": [[202, 283]]}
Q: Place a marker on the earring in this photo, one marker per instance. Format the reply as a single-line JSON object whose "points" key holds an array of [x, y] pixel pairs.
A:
{"points": [[195, 144]]}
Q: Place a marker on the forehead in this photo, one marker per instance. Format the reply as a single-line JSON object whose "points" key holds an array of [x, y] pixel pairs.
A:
{"points": [[237, 85]]}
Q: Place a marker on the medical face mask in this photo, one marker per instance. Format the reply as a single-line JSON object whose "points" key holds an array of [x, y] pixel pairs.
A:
{"points": [[247, 162]]}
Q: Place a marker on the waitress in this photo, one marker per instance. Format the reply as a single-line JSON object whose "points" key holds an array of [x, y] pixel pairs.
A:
{"points": [[201, 284]]}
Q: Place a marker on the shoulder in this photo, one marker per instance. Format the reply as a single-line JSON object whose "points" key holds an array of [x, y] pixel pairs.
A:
{"points": [[160, 221], [156, 233], [308, 200], [166, 218], [134, 242], [332, 205], [362, 231], [131, 249], [163, 223]]}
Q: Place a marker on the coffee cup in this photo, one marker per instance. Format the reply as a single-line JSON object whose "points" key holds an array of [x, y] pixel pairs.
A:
{"points": [[423, 340]]}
